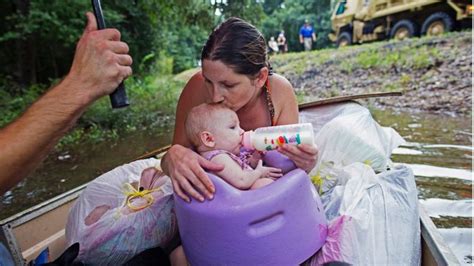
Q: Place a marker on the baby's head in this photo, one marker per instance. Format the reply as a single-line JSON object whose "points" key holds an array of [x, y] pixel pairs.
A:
{"points": [[212, 126]]}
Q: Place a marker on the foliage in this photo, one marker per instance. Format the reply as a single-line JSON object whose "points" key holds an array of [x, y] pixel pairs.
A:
{"points": [[290, 16], [152, 103], [11, 106], [250, 10], [38, 38], [150, 99]]}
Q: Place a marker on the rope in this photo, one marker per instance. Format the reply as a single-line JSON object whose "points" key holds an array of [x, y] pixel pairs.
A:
{"points": [[133, 193]]}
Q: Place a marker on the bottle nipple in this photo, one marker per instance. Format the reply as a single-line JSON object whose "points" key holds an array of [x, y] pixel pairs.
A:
{"points": [[246, 140]]}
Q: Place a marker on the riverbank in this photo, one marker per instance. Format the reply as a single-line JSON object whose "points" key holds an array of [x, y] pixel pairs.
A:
{"points": [[434, 73]]}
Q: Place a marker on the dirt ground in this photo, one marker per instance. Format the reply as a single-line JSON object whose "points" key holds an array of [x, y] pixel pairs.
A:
{"points": [[444, 86]]}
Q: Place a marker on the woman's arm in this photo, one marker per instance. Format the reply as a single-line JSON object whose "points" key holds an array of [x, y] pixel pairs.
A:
{"points": [[183, 165], [286, 112]]}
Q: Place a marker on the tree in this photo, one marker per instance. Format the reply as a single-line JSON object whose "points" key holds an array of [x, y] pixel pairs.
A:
{"points": [[249, 10], [38, 37], [291, 14], [32, 25], [269, 6]]}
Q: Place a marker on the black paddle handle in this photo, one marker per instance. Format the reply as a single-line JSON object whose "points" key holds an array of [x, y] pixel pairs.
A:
{"points": [[118, 98]]}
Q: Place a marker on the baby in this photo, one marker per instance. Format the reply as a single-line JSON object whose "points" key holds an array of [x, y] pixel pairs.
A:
{"points": [[215, 133]]}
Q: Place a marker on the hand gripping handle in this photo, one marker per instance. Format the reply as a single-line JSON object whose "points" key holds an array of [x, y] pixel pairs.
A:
{"points": [[118, 98]]}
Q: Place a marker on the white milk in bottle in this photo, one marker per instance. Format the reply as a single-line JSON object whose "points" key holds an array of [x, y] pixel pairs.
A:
{"points": [[269, 138]]}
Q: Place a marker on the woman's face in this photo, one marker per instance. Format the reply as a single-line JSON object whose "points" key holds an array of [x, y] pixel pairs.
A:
{"points": [[227, 87]]}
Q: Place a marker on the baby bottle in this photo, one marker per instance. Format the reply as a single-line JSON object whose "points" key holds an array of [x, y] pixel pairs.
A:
{"points": [[269, 138]]}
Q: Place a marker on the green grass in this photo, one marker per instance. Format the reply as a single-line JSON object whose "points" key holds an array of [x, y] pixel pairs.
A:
{"points": [[404, 57], [300, 97], [383, 55]]}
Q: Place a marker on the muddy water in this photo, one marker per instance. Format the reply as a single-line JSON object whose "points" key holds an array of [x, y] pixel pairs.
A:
{"points": [[439, 150], [78, 165]]}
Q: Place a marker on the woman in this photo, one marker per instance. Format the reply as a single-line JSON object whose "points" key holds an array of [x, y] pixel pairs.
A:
{"points": [[235, 72]]}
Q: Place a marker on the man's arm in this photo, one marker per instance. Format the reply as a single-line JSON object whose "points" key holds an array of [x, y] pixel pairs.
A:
{"points": [[100, 63]]}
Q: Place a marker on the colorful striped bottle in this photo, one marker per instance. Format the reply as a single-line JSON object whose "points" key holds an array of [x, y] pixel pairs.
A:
{"points": [[269, 138]]}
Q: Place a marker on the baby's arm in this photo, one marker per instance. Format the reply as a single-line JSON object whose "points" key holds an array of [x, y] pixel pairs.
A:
{"points": [[239, 178]]}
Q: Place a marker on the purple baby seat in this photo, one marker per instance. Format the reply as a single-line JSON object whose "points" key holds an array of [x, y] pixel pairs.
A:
{"points": [[280, 224]]}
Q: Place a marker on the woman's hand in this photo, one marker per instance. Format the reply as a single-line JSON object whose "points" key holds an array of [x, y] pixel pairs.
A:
{"points": [[305, 156], [185, 167]]}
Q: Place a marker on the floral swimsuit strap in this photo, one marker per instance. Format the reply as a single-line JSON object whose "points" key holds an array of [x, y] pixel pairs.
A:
{"points": [[211, 154]]}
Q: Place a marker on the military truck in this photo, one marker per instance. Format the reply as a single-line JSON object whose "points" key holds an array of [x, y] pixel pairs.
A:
{"points": [[358, 21]]}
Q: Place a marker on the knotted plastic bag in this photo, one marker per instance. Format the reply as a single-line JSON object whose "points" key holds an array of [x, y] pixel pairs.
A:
{"points": [[347, 133], [122, 213], [373, 218]]}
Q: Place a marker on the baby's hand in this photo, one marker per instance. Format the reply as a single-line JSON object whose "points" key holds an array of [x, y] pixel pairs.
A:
{"points": [[269, 172]]}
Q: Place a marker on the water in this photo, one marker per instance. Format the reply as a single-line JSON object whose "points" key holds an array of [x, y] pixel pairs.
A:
{"points": [[77, 166], [439, 150]]}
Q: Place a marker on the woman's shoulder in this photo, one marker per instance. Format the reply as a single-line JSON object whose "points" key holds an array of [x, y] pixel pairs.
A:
{"points": [[196, 81], [194, 88], [281, 88], [284, 101]]}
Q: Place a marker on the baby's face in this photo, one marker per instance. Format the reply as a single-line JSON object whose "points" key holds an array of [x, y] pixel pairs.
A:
{"points": [[227, 133]]}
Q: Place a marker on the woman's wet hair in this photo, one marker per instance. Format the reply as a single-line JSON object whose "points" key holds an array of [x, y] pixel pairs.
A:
{"points": [[239, 45]]}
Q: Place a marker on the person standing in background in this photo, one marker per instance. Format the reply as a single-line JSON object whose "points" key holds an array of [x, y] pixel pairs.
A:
{"points": [[281, 41], [307, 35], [272, 44]]}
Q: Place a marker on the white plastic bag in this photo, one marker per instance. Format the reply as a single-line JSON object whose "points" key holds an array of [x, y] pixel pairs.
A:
{"points": [[323, 114], [122, 231], [350, 135], [373, 218], [382, 224]]}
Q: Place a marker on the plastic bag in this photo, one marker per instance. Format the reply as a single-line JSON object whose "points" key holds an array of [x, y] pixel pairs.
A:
{"points": [[381, 220], [111, 225], [341, 245], [321, 115], [347, 133]]}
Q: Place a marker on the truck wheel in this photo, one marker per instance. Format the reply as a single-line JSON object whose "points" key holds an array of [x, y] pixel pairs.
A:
{"points": [[403, 29], [344, 39], [437, 23]]}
